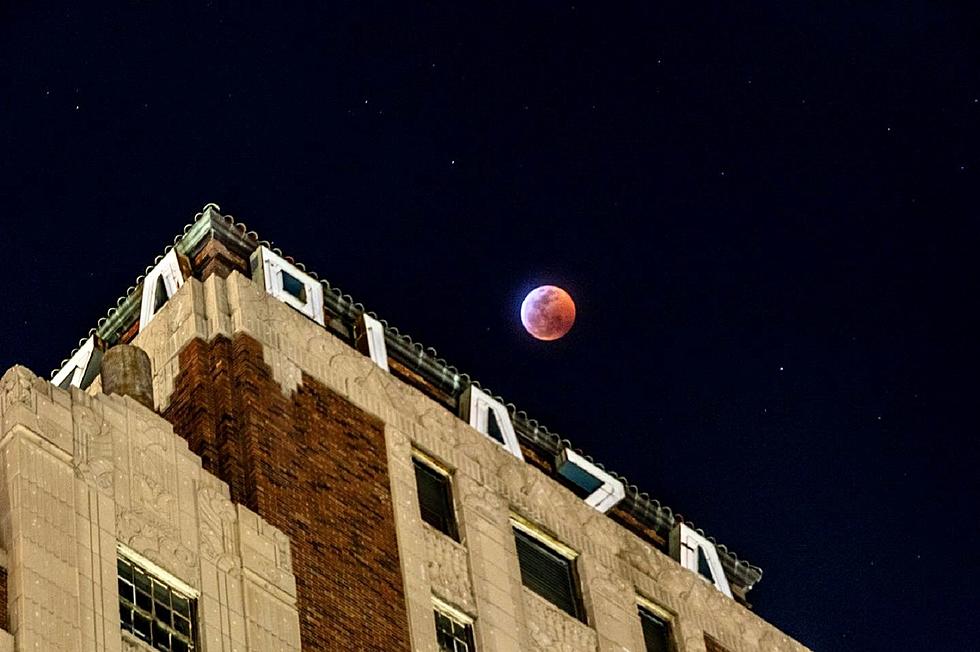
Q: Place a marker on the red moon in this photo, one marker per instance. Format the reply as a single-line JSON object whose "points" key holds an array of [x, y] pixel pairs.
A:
{"points": [[548, 312]]}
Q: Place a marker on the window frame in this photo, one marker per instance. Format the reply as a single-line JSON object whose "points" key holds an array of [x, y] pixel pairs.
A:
{"points": [[521, 526], [646, 606], [157, 578], [457, 616], [420, 459]]}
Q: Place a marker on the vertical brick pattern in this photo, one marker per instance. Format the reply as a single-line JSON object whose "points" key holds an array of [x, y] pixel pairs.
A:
{"points": [[313, 465], [4, 616]]}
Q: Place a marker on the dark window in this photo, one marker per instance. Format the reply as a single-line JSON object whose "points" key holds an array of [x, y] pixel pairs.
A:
{"points": [[548, 573], [452, 635], [656, 631], [704, 568], [154, 612], [493, 428], [294, 286], [160, 295], [435, 498]]}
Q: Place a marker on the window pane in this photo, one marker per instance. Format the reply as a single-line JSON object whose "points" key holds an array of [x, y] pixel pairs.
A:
{"points": [[656, 632], [547, 573], [153, 611], [435, 499], [453, 636], [293, 286]]}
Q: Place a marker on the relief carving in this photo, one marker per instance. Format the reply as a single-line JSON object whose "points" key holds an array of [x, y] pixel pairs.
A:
{"points": [[153, 471], [552, 630], [219, 533], [284, 555], [140, 531], [93, 448], [448, 569], [132, 644], [17, 388]]}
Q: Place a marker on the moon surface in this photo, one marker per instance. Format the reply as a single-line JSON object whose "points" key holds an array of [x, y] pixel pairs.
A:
{"points": [[548, 312]]}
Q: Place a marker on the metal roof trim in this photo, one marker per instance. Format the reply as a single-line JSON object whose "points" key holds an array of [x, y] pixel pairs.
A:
{"points": [[210, 222]]}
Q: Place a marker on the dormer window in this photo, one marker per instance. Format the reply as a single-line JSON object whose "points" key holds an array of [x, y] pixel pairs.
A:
{"points": [[698, 555], [288, 283], [82, 368], [490, 417], [161, 283], [602, 489]]}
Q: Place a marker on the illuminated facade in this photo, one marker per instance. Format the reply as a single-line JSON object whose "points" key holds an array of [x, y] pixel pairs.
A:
{"points": [[283, 471]]}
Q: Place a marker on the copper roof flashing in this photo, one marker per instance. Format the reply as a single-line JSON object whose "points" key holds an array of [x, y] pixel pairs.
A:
{"points": [[412, 363]]}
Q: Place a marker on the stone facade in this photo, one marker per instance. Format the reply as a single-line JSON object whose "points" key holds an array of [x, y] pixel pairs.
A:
{"points": [[278, 485], [480, 575], [84, 474]]}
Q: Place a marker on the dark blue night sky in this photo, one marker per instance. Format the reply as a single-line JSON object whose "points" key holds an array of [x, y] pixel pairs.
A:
{"points": [[767, 213]]}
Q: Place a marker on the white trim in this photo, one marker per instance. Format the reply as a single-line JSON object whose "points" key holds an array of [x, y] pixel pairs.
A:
{"points": [[475, 406], [268, 268], [167, 578], [374, 335], [605, 497], [684, 546], [81, 365], [168, 269], [452, 612]]}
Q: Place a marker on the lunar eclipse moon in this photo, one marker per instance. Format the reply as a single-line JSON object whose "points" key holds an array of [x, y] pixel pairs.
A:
{"points": [[548, 312]]}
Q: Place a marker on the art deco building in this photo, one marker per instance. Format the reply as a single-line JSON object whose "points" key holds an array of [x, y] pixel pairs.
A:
{"points": [[281, 471]]}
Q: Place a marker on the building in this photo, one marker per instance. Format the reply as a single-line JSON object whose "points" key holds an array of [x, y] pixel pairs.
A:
{"points": [[285, 472]]}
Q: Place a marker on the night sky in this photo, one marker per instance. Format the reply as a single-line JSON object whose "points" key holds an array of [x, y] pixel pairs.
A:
{"points": [[767, 213]]}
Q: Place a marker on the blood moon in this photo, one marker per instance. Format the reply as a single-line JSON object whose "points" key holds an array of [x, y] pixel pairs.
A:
{"points": [[548, 312]]}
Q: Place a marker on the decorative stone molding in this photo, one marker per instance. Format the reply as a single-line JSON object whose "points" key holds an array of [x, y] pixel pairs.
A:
{"points": [[17, 388], [141, 531], [132, 644], [489, 481], [218, 527], [552, 630], [448, 569]]}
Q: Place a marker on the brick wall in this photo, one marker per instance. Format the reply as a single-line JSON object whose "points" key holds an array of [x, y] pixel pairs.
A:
{"points": [[314, 466]]}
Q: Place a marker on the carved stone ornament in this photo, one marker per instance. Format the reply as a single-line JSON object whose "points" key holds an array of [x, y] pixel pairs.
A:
{"points": [[17, 387], [159, 544]]}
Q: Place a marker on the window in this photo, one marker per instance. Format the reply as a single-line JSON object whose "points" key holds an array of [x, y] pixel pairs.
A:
{"points": [[656, 630], [288, 283], [293, 286], [454, 629], [160, 283], [153, 611], [435, 496], [548, 569]]}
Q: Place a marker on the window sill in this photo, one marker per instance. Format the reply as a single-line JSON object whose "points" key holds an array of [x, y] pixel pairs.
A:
{"points": [[132, 644], [436, 533]]}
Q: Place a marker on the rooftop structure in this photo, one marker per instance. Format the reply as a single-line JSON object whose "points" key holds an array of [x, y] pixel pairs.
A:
{"points": [[221, 240], [240, 457]]}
